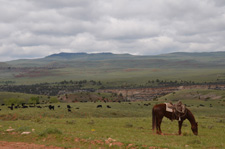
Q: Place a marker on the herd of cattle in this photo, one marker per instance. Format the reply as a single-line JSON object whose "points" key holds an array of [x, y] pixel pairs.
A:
{"points": [[52, 107]]}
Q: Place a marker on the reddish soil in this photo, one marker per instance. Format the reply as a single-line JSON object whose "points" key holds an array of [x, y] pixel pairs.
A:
{"points": [[23, 145], [97, 143]]}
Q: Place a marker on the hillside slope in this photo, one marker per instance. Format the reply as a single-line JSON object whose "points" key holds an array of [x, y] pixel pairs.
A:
{"points": [[117, 68], [110, 60]]}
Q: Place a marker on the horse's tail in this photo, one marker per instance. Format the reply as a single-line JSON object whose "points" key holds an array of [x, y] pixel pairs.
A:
{"points": [[153, 119]]}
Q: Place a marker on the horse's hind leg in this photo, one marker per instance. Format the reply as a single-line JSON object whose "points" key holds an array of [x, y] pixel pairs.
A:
{"points": [[158, 125], [160, 121]]}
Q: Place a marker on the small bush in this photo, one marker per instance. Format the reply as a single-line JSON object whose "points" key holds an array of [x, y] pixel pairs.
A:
{"points": [[71, 122], [23, 128], [91, 122], [37, 120], [210, 126], [128, 125], [186, 134], [221, 121], [50, 131]]}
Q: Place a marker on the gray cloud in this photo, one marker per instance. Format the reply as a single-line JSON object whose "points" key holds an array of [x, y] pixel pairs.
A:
{"points": [[30, 28]]}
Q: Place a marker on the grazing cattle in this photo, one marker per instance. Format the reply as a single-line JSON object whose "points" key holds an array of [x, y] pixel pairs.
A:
{"points": [[39, 107], [58, 106], [147, 104], [3, 104], [99, 106], [24, 106], [108, 106], [77, 108], [68, 106], [69, 110], [10, 107], [51, 107]]}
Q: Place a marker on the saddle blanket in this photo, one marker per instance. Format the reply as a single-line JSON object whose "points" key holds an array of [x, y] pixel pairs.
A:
{"points": [[169, 107]]}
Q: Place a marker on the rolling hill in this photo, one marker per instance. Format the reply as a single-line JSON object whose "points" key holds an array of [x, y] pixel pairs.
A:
{"points": [[121, 68], [176, 60]]}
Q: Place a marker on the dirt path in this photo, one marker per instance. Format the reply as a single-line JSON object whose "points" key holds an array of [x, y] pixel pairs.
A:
{"points": [[23, 145]]}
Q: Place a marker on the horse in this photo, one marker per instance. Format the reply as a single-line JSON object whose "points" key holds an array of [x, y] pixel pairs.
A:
{"points": [[159, 111]]}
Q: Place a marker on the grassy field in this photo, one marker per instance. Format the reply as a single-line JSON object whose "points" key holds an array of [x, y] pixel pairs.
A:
{"points": [[116, 77], [122, 125]]}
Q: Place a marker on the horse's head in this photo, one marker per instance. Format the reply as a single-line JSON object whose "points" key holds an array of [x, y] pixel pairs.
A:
{"points": [[194, 128]]}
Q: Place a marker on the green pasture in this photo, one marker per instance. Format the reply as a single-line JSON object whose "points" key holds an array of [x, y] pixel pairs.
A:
{"points": [[25, 97], [117, 77], [119, 126]]}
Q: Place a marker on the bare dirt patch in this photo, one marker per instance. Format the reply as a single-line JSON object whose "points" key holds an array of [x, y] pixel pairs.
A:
{"points": [[23, 145]]}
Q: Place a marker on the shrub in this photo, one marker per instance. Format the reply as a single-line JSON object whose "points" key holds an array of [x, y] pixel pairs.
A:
{"points": [[23, 128], [50, 131], [34, 100], [71, 122], [128, 125]]}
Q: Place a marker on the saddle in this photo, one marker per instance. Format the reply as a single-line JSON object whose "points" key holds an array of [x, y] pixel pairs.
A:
{"points": [[178, 109]]}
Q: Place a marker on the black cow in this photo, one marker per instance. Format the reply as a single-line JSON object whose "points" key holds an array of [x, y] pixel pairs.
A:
{"points": [[10, 107], [108, 106], [99, 106], [51, 107]]}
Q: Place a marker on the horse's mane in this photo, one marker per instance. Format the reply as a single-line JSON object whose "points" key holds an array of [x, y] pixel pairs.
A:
{"points": [[190, 116]]}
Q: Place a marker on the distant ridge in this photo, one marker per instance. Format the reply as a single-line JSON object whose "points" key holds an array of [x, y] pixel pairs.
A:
{"points": [[110, 60], [217, 53], [88, 56], [82, 54]]}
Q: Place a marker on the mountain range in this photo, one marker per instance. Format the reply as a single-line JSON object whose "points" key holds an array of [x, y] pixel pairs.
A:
{"points": [[178, 59]]}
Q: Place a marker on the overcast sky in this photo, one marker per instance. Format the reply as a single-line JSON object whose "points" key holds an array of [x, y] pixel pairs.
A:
{"points": [[37, 28]]}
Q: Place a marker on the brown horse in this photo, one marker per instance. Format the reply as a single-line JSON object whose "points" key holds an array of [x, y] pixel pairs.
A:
{"points": [[159, 111]]}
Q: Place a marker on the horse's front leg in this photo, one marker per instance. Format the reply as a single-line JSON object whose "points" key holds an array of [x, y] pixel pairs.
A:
{"points": [[180, 125]]}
